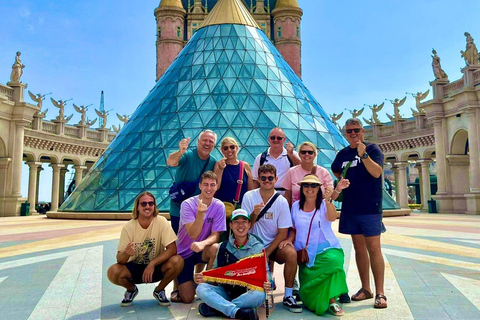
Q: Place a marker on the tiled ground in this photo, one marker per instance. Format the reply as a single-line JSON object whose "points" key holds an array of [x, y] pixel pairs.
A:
{"points": [[56, 269]]}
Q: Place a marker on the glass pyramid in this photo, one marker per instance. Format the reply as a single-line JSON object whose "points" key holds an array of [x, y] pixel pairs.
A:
{"points": [[230, 79]]}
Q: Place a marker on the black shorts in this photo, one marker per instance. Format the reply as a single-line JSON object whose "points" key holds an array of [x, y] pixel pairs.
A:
{"points": [[187, 272], [136, 270], [367, 224]]}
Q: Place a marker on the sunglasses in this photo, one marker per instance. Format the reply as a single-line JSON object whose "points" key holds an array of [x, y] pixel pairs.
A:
{"points": [[276, 137], [270, 178], [149, 203], [310, 185], [310, 152], [357, 130], [232, 147]]}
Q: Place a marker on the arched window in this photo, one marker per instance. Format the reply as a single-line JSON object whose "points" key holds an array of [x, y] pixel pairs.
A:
{"points": [[297, 33], [279, 32], [178, 32], [159, 32]]}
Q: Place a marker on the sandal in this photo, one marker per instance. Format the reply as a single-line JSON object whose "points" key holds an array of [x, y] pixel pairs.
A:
{"points": [[378, 301], [362, 294], [175, 296], [335, 309]]}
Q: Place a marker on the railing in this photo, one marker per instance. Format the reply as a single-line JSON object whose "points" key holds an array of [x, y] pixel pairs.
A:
{"points": [[476, 77], [453, 86], [49, 127], [7, 91], [387, 130], [409, 126], [93, 135], [71, 131]]}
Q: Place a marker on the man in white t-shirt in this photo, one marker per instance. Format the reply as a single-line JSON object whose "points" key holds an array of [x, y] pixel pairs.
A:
{"points": [[282, 158], [271, 219]]}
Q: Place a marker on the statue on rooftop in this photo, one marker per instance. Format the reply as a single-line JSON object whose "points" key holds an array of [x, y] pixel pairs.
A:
{"points": [[102, 115], [375, 108], [17, 69], [123, 118], [83, 111], [37, 98], [471, 53], [90, 123], [396, 108], [335, 118], [61, 105], [419, 96], [437, 68], [356, 113]]}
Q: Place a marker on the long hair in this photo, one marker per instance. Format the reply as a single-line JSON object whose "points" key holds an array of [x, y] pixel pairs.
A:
{"points": [[137, 203], [318, 201]]}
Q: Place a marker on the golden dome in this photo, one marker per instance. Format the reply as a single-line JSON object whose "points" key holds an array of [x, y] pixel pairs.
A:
{"points": [[229, 12], [171, 3], [287, 4]]}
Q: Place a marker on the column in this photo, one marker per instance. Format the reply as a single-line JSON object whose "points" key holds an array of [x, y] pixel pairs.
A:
{"points": [[18, 160], [425, 182], [39, 169], [402, 194], [61, 188], [474, 168], [55, 184], [32, 185], [440, 156], [78, 174], [395, 178]]}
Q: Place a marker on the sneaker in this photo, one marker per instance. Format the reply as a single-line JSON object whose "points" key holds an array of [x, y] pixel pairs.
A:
{"points": [[207, 311], [161, 298], [344, 298], [246, 314], [291, 305], [128, 297]]}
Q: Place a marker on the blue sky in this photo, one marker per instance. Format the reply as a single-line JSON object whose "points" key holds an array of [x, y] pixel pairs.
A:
{"points": [[353, 53]]}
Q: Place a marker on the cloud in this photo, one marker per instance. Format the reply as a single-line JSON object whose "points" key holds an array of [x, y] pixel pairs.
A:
{"points": [[24, 11]]}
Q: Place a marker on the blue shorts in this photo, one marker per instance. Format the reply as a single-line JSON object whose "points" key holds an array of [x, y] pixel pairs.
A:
{"points": [[367, 224], [187, 272], [136, 270]]}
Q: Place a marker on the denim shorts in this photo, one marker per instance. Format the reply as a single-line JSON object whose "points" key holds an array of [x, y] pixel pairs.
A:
{"points": [[187, 272], [367, 224]]}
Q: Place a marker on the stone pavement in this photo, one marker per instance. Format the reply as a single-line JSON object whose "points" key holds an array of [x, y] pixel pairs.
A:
{"points": [[56, 269]]}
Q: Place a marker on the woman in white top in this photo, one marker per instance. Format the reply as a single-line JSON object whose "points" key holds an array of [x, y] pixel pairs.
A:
{"points": [[322, 278]]}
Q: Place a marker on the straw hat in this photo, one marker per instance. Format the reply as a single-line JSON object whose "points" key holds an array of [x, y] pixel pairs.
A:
{"points": [[309, 178]]}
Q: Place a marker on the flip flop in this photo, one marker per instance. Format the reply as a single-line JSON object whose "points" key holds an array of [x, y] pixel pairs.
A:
{"points": [[335, 309], [366, 295], [378, 301], [175, 296]]}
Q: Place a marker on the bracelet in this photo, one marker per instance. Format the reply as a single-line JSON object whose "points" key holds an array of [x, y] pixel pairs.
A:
{"points": [[335, 190]]}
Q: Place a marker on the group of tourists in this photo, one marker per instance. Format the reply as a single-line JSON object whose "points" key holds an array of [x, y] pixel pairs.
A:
{"points": [[223, 211]]}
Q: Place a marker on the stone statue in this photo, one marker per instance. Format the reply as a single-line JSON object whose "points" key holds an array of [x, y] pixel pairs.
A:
{"points": [[369, 122], [335, 119], [375, 108], [83, 111], [17, 69], [437, 68], [61, 105], [37, 98], [115, 129], [396, 108], [123, 118], [356, 113], [102, 115], [471, 53], [419, 96], [90, 123]]}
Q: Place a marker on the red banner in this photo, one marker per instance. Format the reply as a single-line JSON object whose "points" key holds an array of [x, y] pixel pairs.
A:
{"points": [[250, 272]]}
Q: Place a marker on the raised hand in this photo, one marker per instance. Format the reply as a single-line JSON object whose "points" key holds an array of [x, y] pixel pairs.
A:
{"points": [[222, 163], [342, 184], [328, 193], [130, 249], [258, 208], [202, 207], [289, 146], [183, 145], [361, 148]]}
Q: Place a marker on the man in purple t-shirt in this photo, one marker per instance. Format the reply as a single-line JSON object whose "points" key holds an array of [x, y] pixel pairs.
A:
{"points": [[202, 219]]}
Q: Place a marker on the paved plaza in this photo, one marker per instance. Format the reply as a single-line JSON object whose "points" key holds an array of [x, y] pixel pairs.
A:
{"points": [[56, 269]]}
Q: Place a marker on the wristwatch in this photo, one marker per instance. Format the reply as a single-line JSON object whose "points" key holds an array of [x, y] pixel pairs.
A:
{"points": [[365, 155]]}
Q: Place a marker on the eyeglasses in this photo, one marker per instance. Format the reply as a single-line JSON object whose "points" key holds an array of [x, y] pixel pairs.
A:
{"points": [[276, 137], [310, 152], [270, 178], [310, 185], [149, 203], [356, 130], [232, 147]]}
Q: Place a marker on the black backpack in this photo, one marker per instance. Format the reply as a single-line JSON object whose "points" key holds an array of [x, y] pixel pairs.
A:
{"points": [[263, 158]]}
